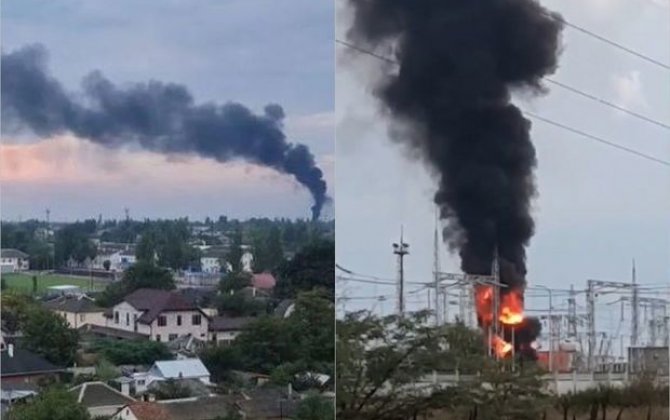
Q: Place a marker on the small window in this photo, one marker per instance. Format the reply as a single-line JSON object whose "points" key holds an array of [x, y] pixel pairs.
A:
{"points": [[82, 317], [158, 337], [162, 321], [140, 382], [197, 319], [172, 337], [178, 319], [214, 337], [116, 317], [127, 319]]}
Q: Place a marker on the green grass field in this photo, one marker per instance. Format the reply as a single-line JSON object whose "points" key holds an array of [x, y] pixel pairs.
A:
{"points": [[23, 282]]}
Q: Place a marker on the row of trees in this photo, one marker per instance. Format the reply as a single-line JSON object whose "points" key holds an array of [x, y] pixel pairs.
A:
{"points": [[380, 361]]}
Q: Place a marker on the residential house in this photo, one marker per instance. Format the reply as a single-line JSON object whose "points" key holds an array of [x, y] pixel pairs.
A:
{"points": [[13, 393], [183, 409], [263, 281], [23, 366], [160, 314], [171, 369], [78, 310], [213, 259], [268, 403], [100, 399], [223, 330], [12, 260], [119, 255]]}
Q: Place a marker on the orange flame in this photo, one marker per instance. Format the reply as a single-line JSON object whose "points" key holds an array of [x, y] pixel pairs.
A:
{"points": [[510, 313], [500, 346]]}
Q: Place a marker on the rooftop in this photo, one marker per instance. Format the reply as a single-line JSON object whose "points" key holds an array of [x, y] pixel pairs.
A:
{"points": [[155, 301], [263, 281], [24, 362], [75, 304], [184, 368], [99, 394], [12, 253], [224, 323]]}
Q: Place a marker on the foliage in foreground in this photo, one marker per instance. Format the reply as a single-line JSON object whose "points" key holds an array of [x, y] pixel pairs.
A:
{"points": [[132, 352], [52, 404]]}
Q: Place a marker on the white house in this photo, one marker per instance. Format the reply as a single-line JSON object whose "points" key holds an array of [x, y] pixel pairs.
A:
{"points": [[223, 330], [13, 260], [171, 369], [119, 255], [247, 259], [78, 310], [160, 314]]}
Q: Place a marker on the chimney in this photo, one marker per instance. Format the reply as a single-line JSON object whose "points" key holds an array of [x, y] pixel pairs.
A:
{"points": [[10, 350]]}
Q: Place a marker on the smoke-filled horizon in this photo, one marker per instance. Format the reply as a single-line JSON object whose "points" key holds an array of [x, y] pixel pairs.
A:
{"points": [[158, 117], [450, 99]]}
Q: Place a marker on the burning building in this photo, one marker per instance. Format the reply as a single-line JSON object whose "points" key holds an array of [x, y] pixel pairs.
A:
{"points": [[449, 99]]}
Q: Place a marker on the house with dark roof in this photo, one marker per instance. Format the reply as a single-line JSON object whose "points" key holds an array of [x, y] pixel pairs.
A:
{"points": [[204, 408], [12, 260], [78, 310], [161, 315], [223, 330], [23, 366], [100, 399]]}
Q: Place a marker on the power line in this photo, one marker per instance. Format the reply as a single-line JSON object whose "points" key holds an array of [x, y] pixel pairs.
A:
{"points": [[548, 121], [596, 138], [607, 103], [609, 42]]}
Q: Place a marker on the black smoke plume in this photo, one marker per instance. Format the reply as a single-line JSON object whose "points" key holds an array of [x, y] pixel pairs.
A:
{"points": [[160, 117], [458, 63]]}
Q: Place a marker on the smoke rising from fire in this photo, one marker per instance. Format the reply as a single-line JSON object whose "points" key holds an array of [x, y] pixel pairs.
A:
{"points": [[159, 117], [459, 62]]}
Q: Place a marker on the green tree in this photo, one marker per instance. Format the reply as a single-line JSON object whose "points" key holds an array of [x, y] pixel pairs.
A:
{"points": [[34, 285], [315, 407], [51, 404], [312, 267], [47, 334], [140, 275], [132, 352], [238, 304], [234, 256], [72, 241], [3, 283], [172, 389], [378, 358], [268, 250]]}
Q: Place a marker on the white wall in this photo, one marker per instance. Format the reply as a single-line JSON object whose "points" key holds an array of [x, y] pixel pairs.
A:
{"points": [[77, 320], [210, 265], [223, 337], [16, 264], [126, 312], [125, 414], [186, 327]]}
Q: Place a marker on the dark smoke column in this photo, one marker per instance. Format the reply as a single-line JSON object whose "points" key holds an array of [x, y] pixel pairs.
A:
{"points": [[159, 117], [459, 61]]}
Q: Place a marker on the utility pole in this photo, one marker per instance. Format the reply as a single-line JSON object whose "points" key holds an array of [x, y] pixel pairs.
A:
{"points": [[436, 274], [496, 294], [401, 249], [591, 321], [572, 313], [635, 310]]}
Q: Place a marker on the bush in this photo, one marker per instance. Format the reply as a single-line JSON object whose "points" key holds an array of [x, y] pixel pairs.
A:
{"points": [[136, 352]]}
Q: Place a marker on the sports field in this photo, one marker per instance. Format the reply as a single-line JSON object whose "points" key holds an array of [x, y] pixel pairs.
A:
{"points": [[23, 282]]}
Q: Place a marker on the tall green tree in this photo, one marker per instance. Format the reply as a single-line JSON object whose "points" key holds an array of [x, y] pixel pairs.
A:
{"points": [[234, 256], [48, 334], [73, 241], [312, 267], [140, 275], [51, 404]]}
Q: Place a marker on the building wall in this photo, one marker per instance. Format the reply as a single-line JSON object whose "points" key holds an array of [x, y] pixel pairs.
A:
{"points": [[127, 315], [12, 265], [125, 414], [186, 327], [223, 337], [210, 265], [77, 320]]}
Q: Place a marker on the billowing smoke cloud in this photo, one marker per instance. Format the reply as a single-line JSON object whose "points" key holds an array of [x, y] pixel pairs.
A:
{"points": [[459, 61], [160, 117]]}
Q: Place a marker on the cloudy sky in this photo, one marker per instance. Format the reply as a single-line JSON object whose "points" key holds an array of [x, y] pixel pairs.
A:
{"points": [[250, 51], [598, 207]]}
